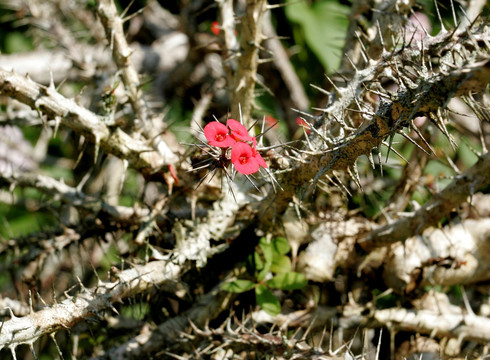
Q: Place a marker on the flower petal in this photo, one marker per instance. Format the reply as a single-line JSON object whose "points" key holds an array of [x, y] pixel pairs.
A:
{"points": [[218, 135], [243, 158], [260, 160], [238, 131]]}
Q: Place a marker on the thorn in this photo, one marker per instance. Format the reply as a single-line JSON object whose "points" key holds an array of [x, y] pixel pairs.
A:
{"points": [[274, 181], [323, 171], [12, 350], [249, 178], [340, 183], [354, 173], [371, 160], [467, 302], [452, 164], [31, 309], [422, 57], [12, 316], [303, 113], [53, 294], [261, 139], [178, 357], [443, 29], [320, 89], [115, 310], [456, 25], [363, 48], [240, 113], [389, 146], [52, 335], [333, 84], [126, 9], [310, 146], [129, 17], [41, 299], [381, 40], [197, 330], [275, 6], [395, 152], [379, 93], [378, 348], [352, 63], [82, 287], [380, 160], [419, 134], [97, 147], [31, 347], [466, 17], [265, 61], [402, 133], [420, 23], [439, 122], [51, 81], [343, 124], [472, 149], [57, 121], [330, 340]]}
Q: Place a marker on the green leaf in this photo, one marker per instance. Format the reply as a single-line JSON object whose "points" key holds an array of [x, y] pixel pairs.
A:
{"points": [[288, 281], [267, 300], [259, 263], [324, 24], [267, 250], [281, 245], [238, 286], [263, 273], [281, 264], [254, 263]]}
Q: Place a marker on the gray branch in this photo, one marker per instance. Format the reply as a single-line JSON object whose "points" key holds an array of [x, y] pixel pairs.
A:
{"points": [[88, 303], [462, 187], [67, 112]]}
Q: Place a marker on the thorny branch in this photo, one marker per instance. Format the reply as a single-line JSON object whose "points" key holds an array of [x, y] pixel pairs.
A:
{"points": [[87, 303], [113, 25], [68, 113], [426, 75], [424, 95], [73, 196], [463, 187]]}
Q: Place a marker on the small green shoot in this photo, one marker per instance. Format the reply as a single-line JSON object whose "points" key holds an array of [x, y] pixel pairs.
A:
{"points": [[270, 266]]}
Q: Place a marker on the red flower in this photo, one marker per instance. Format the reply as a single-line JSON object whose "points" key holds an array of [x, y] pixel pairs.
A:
{"points": [[257, 156], [243, 158], [215, 28], [217, 135], [238, 131]]}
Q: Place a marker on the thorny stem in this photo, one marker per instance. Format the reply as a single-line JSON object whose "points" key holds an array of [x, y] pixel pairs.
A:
{"points": [[243, 87], [88, 303], [48, 101], [463, 186], [113, 25], [430, 94]]}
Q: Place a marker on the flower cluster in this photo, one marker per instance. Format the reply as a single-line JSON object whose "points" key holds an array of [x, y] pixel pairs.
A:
{"points": [[244, 154]]}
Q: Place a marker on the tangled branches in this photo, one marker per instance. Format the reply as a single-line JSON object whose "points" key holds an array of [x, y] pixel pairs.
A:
{"points": [[142, 235]]}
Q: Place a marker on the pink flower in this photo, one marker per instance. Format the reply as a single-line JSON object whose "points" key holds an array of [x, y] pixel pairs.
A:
{"points": [[246, 159], [257, 156], [217, 135], [243, 158], [238, 131]]}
